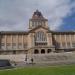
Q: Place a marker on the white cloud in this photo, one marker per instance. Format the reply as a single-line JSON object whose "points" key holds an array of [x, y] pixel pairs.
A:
{"points": [[14, 14]]}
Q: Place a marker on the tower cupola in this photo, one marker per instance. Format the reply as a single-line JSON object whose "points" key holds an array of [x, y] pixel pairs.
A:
{"points": [[37, 20]]}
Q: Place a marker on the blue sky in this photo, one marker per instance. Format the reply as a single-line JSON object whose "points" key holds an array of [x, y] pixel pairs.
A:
{"points": [[69, 23], [15, 14]]}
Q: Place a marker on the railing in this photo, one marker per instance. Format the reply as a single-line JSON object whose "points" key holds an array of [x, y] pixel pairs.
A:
{"points": [[40, 43]]}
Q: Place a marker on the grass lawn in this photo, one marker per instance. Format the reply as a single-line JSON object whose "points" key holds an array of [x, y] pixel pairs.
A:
{"points": [[55, 70]]}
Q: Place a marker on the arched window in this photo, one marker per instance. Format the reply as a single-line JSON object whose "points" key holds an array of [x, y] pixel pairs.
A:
{"points": [[40, 37], [36, 51], [42, 51]]}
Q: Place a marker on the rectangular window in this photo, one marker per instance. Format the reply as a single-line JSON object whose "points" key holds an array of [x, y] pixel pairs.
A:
{"points": [[3, 36], [2, 45], [68, 45], [57, 45], [13, 38], [25, 45], [39, 22], [14, 45], [73, 45], [73, 39], [8, 45], [19, 45], [32, 24], [64, 45]]}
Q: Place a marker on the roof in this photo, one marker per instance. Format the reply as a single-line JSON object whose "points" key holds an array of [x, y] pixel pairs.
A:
{"points": [[38, 15], [63, 32], [14, 32]]}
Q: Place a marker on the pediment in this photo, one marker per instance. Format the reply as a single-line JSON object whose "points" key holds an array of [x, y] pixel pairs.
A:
{"points": [[39, 28]]}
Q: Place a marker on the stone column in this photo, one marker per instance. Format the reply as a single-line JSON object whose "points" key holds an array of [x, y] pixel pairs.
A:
{"points": [[22, 42], [50, 36], [60, 42], [11, 41], [17, 41], [39, 51], [65, 41], [5, 41], [0, 40], [32, 38], [74, 37], [30, 24], [70, 41], [46, 51], [49, 39]]}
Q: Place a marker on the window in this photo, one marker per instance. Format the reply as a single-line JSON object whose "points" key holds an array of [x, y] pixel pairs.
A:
{"points": [[64, 45], [8, 45], [40, 23], [25, 45], [57, 36], [68, 44], [42, 51], [2, 45], [20, 45], [73, 45], [40, 37], [36, 51], [13, 38], [3, 36], [72, 37], [33, 24], [57, 45], [14, 45], [43, 23]]}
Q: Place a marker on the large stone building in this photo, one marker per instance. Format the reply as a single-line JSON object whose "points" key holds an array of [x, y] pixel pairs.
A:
{"points": [[39, 39]]}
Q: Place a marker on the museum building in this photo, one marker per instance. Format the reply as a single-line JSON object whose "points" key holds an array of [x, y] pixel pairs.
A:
{"points": [[39, 39]]}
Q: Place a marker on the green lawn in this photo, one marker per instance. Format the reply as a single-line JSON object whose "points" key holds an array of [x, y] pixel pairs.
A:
{"points": [[56, 70]]}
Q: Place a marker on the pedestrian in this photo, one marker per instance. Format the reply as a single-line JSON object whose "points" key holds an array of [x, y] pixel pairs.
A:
{"points": [[32, 60]]}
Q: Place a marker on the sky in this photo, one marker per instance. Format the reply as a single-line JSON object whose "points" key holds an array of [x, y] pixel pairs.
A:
{"points": [[15, 14]]}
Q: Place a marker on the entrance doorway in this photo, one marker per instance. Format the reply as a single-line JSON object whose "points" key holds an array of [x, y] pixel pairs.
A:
{"points": [[43, 51], [36, 51]]}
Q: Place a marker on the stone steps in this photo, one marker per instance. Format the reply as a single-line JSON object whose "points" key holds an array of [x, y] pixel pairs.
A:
{"points": [[42, 59], [54, 57]]}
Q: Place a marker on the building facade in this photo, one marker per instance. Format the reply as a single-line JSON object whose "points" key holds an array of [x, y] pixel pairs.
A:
{"points": [[39, 39]]}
